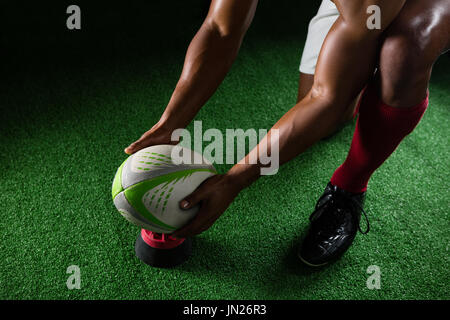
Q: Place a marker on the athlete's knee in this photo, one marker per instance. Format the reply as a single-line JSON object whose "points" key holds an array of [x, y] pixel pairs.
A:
{"points": [[402, 58], [332, 102], [405, 64]]}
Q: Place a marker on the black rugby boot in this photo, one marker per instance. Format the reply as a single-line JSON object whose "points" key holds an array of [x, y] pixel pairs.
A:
{"points": [[334, 224]]}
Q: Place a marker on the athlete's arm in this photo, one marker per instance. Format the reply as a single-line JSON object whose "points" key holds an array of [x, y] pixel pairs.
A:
{"points": [[346, 62], [208, 59]]}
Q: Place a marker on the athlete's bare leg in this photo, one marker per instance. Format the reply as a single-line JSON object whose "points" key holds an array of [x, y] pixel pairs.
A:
{"points": [[413, 42], [305, 83], [390, 109], [396, 97]]}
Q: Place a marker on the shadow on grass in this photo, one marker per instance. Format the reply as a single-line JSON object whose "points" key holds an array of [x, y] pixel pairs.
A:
{"points": [[209, 256]]}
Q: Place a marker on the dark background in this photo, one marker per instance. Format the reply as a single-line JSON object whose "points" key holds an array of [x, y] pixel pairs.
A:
{"points": [[35, 38]]}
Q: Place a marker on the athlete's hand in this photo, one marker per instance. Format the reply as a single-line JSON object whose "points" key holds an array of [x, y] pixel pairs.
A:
{"points": [[158, 134], [214, 196]]}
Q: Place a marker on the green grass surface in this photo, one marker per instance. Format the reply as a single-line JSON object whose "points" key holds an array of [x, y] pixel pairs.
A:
{"points": [[62, 135]]}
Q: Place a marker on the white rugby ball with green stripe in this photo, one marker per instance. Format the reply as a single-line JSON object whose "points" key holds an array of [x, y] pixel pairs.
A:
{"points": [[148, 187]]}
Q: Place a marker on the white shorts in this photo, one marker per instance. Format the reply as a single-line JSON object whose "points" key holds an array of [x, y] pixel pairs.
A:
{"points": [[317, 31]]}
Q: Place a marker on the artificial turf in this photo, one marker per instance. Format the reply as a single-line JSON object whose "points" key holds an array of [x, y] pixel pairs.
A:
{"points": [[65, 123]]}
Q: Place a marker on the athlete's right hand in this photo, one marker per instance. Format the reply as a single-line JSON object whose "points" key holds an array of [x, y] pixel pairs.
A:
{"points": [[158, 134]]}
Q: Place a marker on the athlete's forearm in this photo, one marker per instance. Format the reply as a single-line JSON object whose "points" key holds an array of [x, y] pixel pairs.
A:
{"points": [[347, 61], [208, 59]]}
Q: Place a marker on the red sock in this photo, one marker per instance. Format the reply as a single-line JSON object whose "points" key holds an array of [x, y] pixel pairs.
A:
{"points": [[379, 130]]}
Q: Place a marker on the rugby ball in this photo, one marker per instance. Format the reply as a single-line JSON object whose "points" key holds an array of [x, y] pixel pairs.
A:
{"points": [[149, 185]]}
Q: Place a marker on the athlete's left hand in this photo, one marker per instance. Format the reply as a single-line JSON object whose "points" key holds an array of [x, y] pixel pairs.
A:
{"points": [[214, 196]]}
